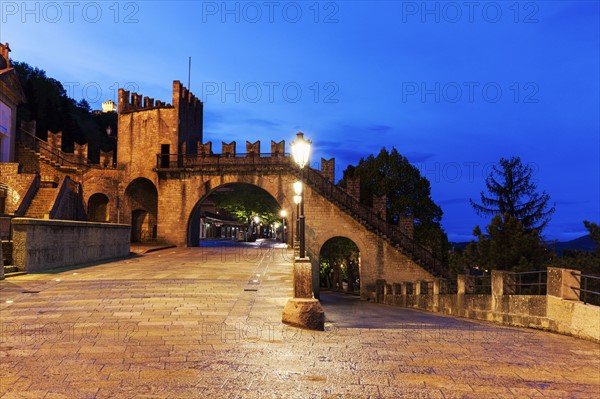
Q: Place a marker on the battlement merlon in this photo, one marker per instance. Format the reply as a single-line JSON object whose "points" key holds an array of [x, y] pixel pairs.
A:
{"points": [[185, 99], [131, 102]]}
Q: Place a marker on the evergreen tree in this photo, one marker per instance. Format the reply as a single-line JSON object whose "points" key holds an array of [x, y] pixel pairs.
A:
{"points": [[512, 191], [513, 241], [507, 246]]}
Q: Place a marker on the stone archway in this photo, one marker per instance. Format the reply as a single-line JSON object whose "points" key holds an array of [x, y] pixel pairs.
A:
{"points": [[197, 226], [98, 208], [174, 226], [141, 198]]}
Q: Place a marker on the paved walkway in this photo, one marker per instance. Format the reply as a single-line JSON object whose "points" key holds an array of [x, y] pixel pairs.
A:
{"points": [[206, 323]]}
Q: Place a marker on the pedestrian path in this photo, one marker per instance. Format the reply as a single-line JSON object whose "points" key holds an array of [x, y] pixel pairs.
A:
{"points": [[206, 323]]}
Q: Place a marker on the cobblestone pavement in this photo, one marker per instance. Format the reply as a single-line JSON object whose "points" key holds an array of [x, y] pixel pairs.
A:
{"points": [[206, 323]]}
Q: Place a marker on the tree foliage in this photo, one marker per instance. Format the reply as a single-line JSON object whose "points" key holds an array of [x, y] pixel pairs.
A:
{"points": [[408, 193], [512, 191], [244, 201], [53, 110]]}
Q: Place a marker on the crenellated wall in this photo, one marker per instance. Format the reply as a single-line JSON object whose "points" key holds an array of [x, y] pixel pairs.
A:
{"points": [[190, 111]]}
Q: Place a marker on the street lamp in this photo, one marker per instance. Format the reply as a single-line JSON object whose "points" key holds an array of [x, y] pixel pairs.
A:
{"points": [[303, 310], [256, 228], [301, 153], [283, 214]]}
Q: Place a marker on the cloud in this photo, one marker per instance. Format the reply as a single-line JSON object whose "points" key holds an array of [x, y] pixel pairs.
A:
{"points": [[262, 122], [380, 128]]}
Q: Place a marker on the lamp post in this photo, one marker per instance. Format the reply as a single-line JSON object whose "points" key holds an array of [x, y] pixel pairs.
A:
{"points": [[301, 153], [283, 214], [297, 200], [303, 310], [256, 227]]}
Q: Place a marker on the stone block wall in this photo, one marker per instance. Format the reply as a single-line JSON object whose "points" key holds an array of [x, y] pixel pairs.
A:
{"points": [[47, 244]]}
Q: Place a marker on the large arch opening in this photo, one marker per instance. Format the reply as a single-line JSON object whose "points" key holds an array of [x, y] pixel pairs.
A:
{"points": [[98, 208], [142, 198], [236, 213], [339, 265]]}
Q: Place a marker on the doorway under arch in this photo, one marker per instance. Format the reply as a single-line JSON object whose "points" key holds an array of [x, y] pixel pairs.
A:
{"points": [[142, 199], [339, 265]]}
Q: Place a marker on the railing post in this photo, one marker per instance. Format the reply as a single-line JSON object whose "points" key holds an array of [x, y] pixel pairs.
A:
{"points": [[561, 283], [460, 290], [501, 281], [436, 293]]}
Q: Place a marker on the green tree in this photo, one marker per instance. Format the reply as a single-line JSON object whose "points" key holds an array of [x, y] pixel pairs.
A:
{"points": [[53, 110], [512, 191], [408, 193], [244, 201]]}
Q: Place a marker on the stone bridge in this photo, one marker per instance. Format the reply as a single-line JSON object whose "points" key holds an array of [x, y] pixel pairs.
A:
{"points": [[164, 170], [385, 251]]}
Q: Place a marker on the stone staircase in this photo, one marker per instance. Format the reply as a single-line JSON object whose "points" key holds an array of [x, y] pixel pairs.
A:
{"points": [[42, 203], [51, 159], [372, 222]]}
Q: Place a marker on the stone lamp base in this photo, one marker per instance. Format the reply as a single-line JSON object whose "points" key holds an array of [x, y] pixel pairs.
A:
{"points": [[303, 310]]}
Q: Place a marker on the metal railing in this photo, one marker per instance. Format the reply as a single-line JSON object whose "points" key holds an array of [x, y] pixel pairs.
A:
{"points": [[45, 149], [394, 234], [589, 288], [221, 161], [478, 285], [529, 283]]}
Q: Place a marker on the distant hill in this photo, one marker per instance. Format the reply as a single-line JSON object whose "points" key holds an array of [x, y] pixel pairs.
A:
{"points": [[584, 243]]}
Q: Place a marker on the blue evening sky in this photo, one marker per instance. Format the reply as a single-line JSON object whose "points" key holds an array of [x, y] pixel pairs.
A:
{"points": [[454, 86]]}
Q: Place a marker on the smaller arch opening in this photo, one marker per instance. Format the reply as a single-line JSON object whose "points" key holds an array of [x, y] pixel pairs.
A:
{"points": [[339, 265], [98, 210]]}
